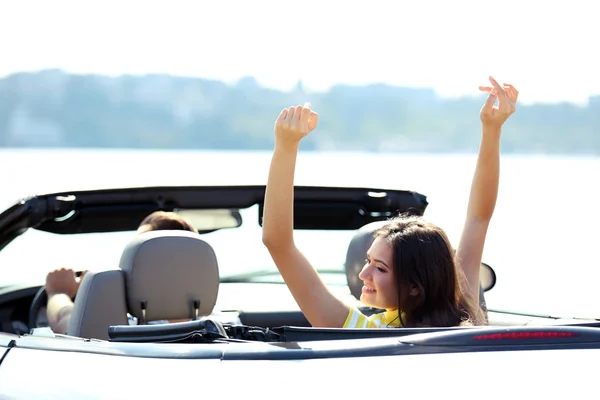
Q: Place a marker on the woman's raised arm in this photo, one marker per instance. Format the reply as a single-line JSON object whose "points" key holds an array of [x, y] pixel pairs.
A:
{"points": [[319, 305]]}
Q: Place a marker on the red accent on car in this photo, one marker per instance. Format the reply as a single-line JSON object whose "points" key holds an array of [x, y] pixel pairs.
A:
{"points": [[526, 335]]}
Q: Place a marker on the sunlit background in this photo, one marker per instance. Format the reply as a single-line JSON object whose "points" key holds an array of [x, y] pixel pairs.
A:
{"points": [[97, 94], [544, 47]]}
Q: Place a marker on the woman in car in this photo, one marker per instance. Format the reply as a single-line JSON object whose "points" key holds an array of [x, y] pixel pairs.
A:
{"points": [[411, 270]]}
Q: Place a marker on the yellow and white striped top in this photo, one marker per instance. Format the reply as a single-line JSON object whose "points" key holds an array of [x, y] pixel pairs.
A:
{"points": [[386, 319]]}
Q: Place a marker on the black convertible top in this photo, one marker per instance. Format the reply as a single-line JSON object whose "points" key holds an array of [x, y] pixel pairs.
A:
{"points": [[112, 210]]}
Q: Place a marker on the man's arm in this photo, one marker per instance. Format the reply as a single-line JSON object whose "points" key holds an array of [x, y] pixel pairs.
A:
{"points": [[59, 310], [61, 286]]}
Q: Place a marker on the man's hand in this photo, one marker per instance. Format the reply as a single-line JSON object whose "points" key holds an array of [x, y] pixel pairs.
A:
{"points": [[63, 281], [494, 117], [295, 123]]}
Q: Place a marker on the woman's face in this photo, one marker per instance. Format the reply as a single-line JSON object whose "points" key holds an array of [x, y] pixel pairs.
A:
{"points": [[379, 288]]}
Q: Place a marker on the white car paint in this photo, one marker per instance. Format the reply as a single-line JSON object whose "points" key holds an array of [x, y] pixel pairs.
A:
{"points": [[35, 374]]}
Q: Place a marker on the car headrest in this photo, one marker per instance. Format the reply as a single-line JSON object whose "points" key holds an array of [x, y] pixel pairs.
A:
{"points": [[170, 275], [357, 254]]}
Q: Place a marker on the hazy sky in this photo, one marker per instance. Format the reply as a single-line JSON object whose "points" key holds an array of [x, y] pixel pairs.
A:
{"points": [[549, 49]]}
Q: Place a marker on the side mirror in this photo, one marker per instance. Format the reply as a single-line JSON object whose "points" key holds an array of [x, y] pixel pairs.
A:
{"points": [[487, 277]]}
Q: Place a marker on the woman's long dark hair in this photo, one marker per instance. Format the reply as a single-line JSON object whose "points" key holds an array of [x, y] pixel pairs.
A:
{"points": [[424, 259]]}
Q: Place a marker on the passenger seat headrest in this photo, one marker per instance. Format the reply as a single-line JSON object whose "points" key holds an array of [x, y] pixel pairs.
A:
{"points": [[357, 253], [171, 273]]}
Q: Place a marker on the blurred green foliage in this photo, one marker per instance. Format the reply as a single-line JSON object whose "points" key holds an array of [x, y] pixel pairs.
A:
{"points": [[55, 109]]}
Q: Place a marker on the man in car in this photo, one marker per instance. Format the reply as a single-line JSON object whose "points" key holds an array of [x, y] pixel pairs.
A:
{"points": [[62, 284]]}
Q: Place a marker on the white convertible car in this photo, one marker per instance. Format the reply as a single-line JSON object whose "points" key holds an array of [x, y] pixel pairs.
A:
{"points": [[245, 337]]}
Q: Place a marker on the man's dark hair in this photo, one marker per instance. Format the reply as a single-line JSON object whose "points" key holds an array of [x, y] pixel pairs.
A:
{"points": [[163, 220]]}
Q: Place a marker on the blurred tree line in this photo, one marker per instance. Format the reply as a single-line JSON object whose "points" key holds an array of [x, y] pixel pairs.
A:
{"points": [[55, 109]]}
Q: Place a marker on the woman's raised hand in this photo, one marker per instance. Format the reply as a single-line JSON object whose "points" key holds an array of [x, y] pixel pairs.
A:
{"points": [[294, 123], [495, 117]]}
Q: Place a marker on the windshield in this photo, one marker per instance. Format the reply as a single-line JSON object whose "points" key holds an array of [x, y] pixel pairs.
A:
{"points": [[239, 251]]}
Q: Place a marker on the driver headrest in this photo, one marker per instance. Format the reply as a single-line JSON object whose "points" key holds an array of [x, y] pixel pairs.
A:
{"points": [[357, 254], [171, 273]]}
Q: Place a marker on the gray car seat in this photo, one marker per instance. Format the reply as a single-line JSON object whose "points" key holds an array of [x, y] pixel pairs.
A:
{"points": [[163, 275], [356, 254]]}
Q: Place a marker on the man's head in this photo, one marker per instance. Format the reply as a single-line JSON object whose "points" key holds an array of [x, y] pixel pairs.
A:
{"points": [[163, 220]]}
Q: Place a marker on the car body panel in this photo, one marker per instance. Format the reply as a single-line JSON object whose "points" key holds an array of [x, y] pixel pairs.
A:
{"points": [[26, 374], [7, 340]]}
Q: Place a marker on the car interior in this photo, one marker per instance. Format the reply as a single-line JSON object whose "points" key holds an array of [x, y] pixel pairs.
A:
{"points": [[174, 275]]}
